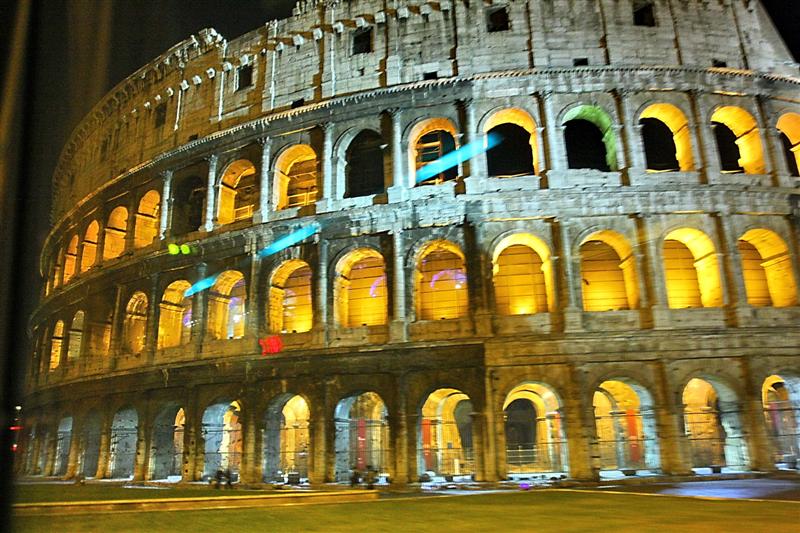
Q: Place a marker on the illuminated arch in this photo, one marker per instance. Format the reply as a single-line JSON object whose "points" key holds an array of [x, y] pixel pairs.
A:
{"points": [[691, 270], [287, 440], [441, 282], [512, 143], [75, 341], [362, 435], [789, 128], [608, 273], [522, 272], [581, 155], [445, 434], [175, 317], [70, 258], [290, 300], [56, 344], [296, 177], [767, 269], [166, 444], [89, 249], [147, 219], [428, 140], [135, 325], [360, 289], [116, 232], [226, 306], [237, 192], [780, 398], [746, 137], [674, 119], [222, 436]]}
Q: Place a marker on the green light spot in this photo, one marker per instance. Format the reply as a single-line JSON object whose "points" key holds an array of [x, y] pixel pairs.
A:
{"points": [[174, 249], [185, 250]]}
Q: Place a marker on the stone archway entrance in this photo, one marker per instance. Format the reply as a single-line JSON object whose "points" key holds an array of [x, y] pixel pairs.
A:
{"points": [[286, 440], [781, 401], [444, 435], [166, 452], [124, 432], [362, 435], [222, 435], [63, 442], [90, 445]]}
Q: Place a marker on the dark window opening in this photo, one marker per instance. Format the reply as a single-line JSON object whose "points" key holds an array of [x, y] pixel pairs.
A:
{"points": [[364, 165], [513, 156], [362, 41], [521, 425], [244, 77], [430, 76], [718, 63], [497, 19], [644, 14], [188, 202], [580, 62], [659, 146], [431, 147], [298, 103], [161, 114], [585, 147], [729, 154], [192, 137], [791, 158]]}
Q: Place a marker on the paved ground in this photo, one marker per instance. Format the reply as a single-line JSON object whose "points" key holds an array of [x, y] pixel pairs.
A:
{"points": [[762, 489]]}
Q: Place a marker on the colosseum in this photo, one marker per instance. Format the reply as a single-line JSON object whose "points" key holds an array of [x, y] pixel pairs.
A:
{"points": [[441, 240]]}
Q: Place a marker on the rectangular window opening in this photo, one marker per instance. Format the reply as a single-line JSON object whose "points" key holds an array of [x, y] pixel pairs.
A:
{"points": [[718, 63], [580, 62], [430, 76], [362, 41], [298, 103], [497, 19], [161, 114], [244, 77], [644, 14]]}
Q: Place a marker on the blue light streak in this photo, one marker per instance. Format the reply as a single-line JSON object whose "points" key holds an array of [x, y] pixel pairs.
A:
{"points": [[458, 156], [288, 240], [203, 284]]}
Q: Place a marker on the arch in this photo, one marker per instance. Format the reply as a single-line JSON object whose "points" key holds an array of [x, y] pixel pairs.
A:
{"points": [[56, 345], [518, 153], [670, 149], [124, 435], [712, 424], [226, 306], [166, 446], [188, 204], [290, 301], [522, 273], [286, 440], [365, 166], [441, 282], [691, 270], [428, 140], [222, 435], [296, 177], [70, 259], [75, 342], [625, 426], [147, 221], [361, 439], [134, 326], [767, 269], [360, 293], [175, 317], [89, 250], [589, 138], [238, 192], [116, 233], [780, 396], [608, 273], [63, 443], [789, 129], [90, 444], [738, 141], [445, 434], [535, 440]]}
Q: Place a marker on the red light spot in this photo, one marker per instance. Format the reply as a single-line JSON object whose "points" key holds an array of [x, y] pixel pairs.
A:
{"points": [[272, 344], [13, 447], [15, 428]]}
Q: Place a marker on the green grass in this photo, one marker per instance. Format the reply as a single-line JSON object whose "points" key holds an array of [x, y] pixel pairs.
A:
{"points": [[92, 492], [517, 512]]}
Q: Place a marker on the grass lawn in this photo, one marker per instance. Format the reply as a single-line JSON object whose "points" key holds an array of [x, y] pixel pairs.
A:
{"points": [[517, 512], [74, 493]]}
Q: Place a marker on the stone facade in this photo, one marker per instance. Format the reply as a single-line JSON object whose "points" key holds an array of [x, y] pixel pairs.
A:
{"points": [[626, 365]]}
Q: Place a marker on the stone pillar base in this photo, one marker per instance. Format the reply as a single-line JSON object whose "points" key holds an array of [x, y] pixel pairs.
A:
{"points": [[573, 320], [483, 324], [661, 317], [474, 185], [398, 331], [744, 316], [397, 194]]}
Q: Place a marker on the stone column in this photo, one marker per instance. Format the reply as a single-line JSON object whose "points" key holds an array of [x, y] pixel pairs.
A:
{"points": [[555, 134], [659, 304], [478, 166], [399, 189], [398, 331], [328, 179], [769, 153], [318, 467], [251, 471], [52, 448], [74, 447], [117, 324], [674, 446], [759, 445], [732, 270], [632, 133], [142, 460], [254, 305], [166, 204], [321, 313], [479, 449], [191, 429], [211, 194], [704, 135], [153, 317], [580, 429], [573, 312], [101, 238], [130, 230], [200, 312], [105, 448], [399, 432], [265, 181]]}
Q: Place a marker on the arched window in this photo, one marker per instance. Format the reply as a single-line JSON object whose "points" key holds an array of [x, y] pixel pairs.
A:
{"points": [[429, 140], [767, 269], [226, 306], [666, 138], [296, 177], [290, 308], [738, 141], [590, 139], [361, 298], [188, 200], [89, 255], [789, 128], [517, 154], [134, 327], [238, 192], [175, 318], [691, 270], [364, 170], [441, 282], [70, 258], [522, 276], [608, 273], [147, 219], [116, 230], [75, 344], [56, 343]]}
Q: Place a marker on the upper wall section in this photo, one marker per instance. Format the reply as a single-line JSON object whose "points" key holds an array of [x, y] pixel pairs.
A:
{"points": [[331, 48]]}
